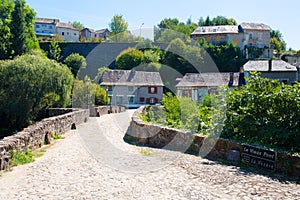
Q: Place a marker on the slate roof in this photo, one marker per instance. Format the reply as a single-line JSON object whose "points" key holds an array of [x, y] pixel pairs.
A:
{"points": [[130, 78], [208, 80], [102, 30], [255, 26], [66, 25], [46, 21], [203, 30], [263, 66], [89, 29]]}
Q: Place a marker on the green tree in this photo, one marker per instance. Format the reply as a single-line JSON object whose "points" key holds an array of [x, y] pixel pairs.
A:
{"points": [[174, 24], [277, 41], [23, 37], [75, 62], [207, 21], [100, 96], [129, 58], [152, 56], [30, 84], [181, 57], [6, 8], [264, 112], [168, 23], [54, 51], [217, 21], [227, 57], [169, 35], [77, 24], [118, 25]]}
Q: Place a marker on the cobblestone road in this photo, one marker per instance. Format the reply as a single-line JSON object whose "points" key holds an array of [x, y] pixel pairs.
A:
{"points": [[93, 162]]}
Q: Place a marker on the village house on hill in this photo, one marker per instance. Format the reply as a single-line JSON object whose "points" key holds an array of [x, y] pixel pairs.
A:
{"points": [[197, 85], [89, 34], [246, 36], [46, 29], [273, 69], [132, 88]]}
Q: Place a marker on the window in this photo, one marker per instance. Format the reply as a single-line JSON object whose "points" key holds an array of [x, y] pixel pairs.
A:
{"points": [[284, 81], [75, 34], [62, 33], [130, 99], [152, 90], [152, 101], [37, 26], [109, 88], [142, 99], [250, 36], [120, 99], [50, 27], [130, 89], [67, 33]]}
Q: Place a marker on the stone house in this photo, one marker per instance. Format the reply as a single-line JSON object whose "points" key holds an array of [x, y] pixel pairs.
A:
{"points": [[46, 29], [273, 69], [88, 34], [132, 88], [68, 32], [197, 85], [217, 34], [246, 36]]}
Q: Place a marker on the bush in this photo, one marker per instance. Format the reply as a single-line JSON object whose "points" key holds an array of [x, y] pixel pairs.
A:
{"points": [[264, 112], [75, 62], [129, 58], [97, 95], [30, 84]]}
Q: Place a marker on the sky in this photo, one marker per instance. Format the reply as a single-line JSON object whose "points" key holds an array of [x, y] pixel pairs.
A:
{"points": [[97, 14]]}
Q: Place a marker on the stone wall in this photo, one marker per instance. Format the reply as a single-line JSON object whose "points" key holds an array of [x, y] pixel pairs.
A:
{"points": [[60, 111], [215, 148], [35, 136], [103, 110]]}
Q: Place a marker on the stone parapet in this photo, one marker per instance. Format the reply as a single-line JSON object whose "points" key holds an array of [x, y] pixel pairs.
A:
{"points": [[40, 133], [158, 136]]}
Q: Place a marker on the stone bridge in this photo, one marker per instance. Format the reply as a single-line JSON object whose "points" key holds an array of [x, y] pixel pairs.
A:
{"points": [[94, 162], [97, 54]]}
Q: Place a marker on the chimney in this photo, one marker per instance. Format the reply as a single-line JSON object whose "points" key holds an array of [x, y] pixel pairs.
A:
{"points": [[270, 65]]}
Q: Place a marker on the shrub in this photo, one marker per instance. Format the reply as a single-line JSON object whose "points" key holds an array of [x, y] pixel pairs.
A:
{"points": [[96, 94], [30, 84], [18, 158], [264, 112], [75, 62]]}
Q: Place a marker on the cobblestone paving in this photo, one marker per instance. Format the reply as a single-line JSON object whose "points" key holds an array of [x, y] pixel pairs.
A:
{"points": [[73, 169]]}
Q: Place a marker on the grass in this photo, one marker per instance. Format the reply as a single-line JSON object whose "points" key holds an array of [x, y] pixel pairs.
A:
{"points": [[18, 158], [146, 153], [57, 137]]}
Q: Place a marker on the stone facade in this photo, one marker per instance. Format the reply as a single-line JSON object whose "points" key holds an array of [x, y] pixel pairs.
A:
{"points": [[88, 34], [46, 29], [246, 36], [215, 148], [35, 136], [132, 88]]}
